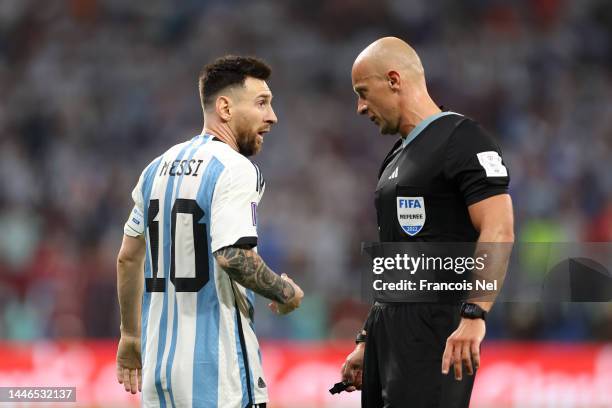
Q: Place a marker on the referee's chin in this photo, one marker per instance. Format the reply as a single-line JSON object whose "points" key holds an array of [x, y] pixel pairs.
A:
{"points": [[386, 130]]}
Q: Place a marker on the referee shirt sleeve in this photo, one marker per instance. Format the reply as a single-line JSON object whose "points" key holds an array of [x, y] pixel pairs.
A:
{"points": [[234, 207], [474, 163]]}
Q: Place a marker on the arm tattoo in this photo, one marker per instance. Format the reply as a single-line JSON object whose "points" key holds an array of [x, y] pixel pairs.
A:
{"points": [[246, 267]]}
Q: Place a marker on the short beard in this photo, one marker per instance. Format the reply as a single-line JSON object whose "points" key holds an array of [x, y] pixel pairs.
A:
{"points": [[247, 146]]}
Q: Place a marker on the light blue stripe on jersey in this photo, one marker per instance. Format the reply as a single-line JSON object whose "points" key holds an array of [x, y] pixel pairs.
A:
{"points": [[422, 125], [241, 357], [163, 323], [169, 364], [147, 187], [206, 350]]}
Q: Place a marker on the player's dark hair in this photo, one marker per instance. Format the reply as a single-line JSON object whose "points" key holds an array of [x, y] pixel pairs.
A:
{"points": [[227, 71]]}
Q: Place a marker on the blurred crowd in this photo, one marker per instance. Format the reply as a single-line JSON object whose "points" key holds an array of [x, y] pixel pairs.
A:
{"points": [[92, 90]]}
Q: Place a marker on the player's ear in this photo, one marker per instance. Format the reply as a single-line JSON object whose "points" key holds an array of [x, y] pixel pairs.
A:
{"points": [[393, 80], [223, 106]]}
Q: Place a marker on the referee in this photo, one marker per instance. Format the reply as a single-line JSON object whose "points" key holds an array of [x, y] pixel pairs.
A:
{"points": [[415, 354]]}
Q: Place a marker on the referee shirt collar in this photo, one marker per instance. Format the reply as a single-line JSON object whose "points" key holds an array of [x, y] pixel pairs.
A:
{"points": [[422, 125]]}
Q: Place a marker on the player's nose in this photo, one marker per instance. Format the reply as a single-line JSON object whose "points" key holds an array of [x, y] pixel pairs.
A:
{"points": [[271, 118]]}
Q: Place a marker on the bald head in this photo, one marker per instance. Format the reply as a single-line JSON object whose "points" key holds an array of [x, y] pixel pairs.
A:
{"points": [[389, 81], [390, 54]]}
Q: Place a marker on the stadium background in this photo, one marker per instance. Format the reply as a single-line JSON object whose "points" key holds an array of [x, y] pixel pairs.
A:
{"points": [[92, 90]]}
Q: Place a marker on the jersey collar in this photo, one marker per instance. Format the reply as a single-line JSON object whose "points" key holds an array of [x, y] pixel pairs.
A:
{"points": [[422, 125]]}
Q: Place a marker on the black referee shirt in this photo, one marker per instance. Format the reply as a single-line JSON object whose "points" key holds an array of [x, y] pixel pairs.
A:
{"points": [[428, 180]]}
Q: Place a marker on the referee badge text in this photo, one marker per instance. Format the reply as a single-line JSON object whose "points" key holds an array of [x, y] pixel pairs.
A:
{"points": [[411, 214]]}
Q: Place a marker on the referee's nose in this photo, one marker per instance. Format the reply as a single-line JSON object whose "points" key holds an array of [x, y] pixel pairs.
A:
{"points": [[362, 108]]}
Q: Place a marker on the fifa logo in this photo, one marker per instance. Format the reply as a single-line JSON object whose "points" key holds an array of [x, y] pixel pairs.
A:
{"points": [[407, 203], [411, 214]]}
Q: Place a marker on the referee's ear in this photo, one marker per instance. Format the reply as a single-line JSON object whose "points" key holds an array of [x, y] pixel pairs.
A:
{"points": [[394, 80], [223, 106]]}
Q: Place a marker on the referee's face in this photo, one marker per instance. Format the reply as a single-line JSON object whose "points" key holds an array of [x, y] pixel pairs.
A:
{"points": [[376, 99], [252, 115]]}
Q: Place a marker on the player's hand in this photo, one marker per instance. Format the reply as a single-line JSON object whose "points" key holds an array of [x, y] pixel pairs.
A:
{"points": [[463, 347], [129, 364], [293, 303], [352, 369]]}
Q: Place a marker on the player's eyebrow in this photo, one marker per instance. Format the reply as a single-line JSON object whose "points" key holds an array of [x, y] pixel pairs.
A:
{"points": [[359, 89], [265, 95]]}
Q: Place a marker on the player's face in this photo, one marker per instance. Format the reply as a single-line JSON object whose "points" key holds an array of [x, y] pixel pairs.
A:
{"points": [[376, 100], [253, 115]]}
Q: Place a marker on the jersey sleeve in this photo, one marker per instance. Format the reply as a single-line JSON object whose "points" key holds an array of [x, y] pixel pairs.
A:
{"points": [[234, 207], [474, 163], [134, 225]]}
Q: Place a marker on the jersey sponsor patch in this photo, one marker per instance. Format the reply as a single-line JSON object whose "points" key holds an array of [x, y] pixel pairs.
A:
{"points": [[134, 226], [491, 162], [411, 214]]}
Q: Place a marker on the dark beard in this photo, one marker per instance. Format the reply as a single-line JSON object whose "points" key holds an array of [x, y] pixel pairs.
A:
{"points": [[247, 146]]}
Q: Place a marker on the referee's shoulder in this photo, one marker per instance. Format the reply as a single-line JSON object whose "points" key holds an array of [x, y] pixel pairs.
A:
{"points": [[470, 133], [463, 121]]}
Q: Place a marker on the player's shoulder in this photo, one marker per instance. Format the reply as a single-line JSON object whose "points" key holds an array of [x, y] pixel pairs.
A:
{"points": [[169, 152], [231, 159], [174, 151]]}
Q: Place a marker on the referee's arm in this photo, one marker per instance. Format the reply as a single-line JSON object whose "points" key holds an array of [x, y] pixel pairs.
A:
{"points": [[493, 219]]}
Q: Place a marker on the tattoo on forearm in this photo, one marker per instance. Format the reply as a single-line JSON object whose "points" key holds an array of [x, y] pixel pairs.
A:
{"points": [[246, 267]]}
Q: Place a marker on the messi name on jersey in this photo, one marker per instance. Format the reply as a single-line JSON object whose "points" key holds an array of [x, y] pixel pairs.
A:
{"points": [[411, 214], [180, 167]]}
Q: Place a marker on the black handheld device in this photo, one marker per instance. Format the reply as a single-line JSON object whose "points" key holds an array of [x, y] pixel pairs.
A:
{"points": [[339, 387]]}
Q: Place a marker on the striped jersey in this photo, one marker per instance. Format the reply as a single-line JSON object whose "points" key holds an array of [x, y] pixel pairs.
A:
{"points": [[199, 347]]}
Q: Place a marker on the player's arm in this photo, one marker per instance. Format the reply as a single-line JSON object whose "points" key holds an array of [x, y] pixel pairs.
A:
{"points": [[130, 284], [493, 218], [246, 267]]}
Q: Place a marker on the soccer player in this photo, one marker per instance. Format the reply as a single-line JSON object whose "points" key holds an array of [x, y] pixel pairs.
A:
{"points": [[455, 171], [190, 246]]}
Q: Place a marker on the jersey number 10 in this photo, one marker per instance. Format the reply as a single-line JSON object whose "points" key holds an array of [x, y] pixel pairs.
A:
{"points": [[200, 246]]}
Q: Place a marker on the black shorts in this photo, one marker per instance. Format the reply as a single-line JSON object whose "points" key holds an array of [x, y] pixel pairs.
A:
{"points": [[403, 358]]}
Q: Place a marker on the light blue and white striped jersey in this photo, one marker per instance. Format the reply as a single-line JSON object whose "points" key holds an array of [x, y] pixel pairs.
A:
{"points": [[198, 343]]}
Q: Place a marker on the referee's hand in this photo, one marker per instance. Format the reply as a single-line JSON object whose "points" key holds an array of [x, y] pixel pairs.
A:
{"points": [[463, 347], [352, 369]]}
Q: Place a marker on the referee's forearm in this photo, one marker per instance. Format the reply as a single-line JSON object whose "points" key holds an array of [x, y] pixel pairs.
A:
{"points": [[130, 283], [499, 241]]}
